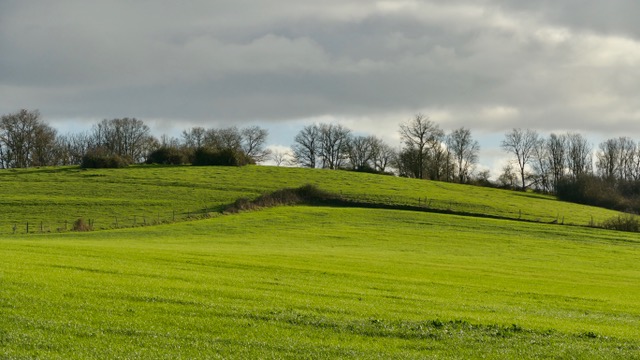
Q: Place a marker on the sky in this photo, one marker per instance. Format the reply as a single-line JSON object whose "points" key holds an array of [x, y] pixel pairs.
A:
{"points": [[487, 65]]}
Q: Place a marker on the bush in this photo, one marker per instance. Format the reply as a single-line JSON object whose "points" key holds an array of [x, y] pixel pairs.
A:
{"points": [[81, 225], [227, 157], [607, 193], [369, 170], [167, 156], [591, 190], [100, 160], [627, 222], [307, 194]]}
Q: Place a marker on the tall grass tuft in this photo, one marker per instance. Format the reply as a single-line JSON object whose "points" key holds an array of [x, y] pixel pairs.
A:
{"points": [[628, 222], [82, 225]]}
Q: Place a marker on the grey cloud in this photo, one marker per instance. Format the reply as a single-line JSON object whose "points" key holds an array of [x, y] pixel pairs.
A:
{"points": [[608, 17], [488, 65]]}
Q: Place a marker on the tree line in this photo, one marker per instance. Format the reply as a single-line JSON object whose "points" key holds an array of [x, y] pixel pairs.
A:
{"points": [[563, 164], [27, 141], [426, 152], [567, 165]]}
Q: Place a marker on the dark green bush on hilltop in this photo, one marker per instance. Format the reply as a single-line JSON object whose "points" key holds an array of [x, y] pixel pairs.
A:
{"points": [[167, 156], [596, 191], [226, 157], [98, 159]]}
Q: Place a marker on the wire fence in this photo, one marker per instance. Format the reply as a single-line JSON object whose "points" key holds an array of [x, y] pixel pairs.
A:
{"points": [[105, 222], [154, 217], [473, 209]]}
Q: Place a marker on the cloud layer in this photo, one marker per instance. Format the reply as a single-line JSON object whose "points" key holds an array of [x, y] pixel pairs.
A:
{"points": [[489, 65]]}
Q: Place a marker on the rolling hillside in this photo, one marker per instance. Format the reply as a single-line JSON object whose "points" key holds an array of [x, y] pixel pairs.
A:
{"points": [[51, 199], [310, 282]]}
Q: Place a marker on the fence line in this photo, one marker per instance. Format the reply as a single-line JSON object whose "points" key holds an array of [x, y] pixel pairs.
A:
{"points": [[105, 221], [117, 221]]}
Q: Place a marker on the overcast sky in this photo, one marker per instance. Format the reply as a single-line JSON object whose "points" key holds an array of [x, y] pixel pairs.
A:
{"points": [[488, 65]]}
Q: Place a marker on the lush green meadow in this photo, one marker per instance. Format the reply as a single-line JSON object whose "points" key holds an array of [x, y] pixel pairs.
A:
{"points": [[50, 199], [304, 282]]}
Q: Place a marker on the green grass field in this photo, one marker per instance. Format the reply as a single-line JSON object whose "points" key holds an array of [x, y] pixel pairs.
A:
{"points": [[50, 200], [312, 282]]}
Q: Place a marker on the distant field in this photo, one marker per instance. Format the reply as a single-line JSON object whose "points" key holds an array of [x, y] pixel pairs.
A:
{"points": [[302, 282], [50, 199]]}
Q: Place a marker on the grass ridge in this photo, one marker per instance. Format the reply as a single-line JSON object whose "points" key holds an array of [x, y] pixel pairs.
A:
{"points": [[312, 195], [51, 200]]}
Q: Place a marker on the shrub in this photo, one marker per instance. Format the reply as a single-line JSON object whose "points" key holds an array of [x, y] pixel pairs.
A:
{"points": [[226, 157], [627, 222], [81, 225], [307, 194], [97, 159], [590, 190], [608, 193], [167, 156]]}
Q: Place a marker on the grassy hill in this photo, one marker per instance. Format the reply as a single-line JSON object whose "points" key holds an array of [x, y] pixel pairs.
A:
{"points": [[310, 282], [51, 199]]}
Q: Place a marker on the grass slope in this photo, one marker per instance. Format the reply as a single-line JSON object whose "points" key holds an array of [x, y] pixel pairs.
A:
{"points": [[301, 282], [50, 199]]}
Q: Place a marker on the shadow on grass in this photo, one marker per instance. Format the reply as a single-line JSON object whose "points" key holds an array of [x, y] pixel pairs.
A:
{"points": [[312, 195]]}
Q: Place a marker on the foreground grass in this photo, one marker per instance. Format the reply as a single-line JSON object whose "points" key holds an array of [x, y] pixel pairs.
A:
{"points": [[300, 282], [51, 199]]}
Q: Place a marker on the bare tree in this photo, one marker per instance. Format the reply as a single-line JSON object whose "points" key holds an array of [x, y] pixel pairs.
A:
{"points": [[73, 146], [508, 178], [254, 139], [44, 150], [521, 143], [167, 141], [634, 165], [420, 137], [194, 138], [482, 178], [223, 139], [541, 166], [362, 152], [438, 164], [230, 138], [408, 164], [25, 140], [627, 153], [557, 153], [384, 155], [607, 159], [334, 145], [127, 137], [579, 160], [464, 150], [307, 147], [281, 157], [616, 159]]}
